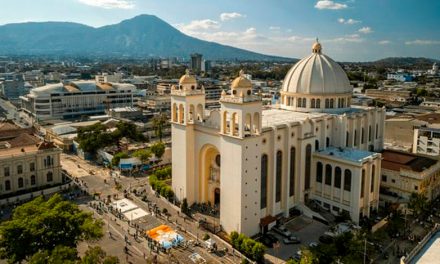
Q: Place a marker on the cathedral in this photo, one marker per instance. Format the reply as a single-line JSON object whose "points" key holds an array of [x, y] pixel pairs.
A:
{"points": [[256, 163]]}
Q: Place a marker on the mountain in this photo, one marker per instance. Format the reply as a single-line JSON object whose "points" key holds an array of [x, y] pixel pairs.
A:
{"points": [[141, 36], [403, 62]]}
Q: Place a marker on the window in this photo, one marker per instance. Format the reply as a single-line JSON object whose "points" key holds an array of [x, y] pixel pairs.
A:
{"points": [[416, 187], [328, 174], [263, 195], [331, 103], [362, 136], [393, 181], [298, 102], [377, 131], [373, 172], [49, 176], [292, 171], [327, 142], [20, 183], [7, 185], [319, 172], [6, 171], [335, 208], [369, 133], [384, 178], [347, 180], [33, 180], [327, 103], [312, 102], [279, 172], [318, 103], [304, 102], [347, 139], [363, 183], [308, 166], [316, 145], [32, 166], [338, 176], [355, 137], [20, 169]]}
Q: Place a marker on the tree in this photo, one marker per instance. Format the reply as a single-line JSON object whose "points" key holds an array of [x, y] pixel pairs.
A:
{"points": [[159, 121], [258, 251], [117, 157], [60, 254], [143, 154], [184, 206], [44, 225], [158, 149], [96, 255], [418, 203]]}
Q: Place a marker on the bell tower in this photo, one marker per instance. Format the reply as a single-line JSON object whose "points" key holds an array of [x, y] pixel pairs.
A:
{"points": [[240, 129]]}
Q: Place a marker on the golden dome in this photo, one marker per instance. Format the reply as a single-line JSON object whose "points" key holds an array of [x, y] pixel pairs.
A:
{"points": [[316, 48], [187, 79], [241, 82]]}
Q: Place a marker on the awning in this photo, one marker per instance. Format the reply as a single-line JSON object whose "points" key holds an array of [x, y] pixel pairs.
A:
{"points": [[267, 220]]}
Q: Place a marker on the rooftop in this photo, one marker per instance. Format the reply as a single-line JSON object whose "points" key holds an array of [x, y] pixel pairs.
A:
{"points": [[349, 154], [395, 160], [80, 86]]}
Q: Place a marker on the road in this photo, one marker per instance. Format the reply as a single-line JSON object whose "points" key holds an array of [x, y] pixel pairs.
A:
{"points": [[103, 182]]}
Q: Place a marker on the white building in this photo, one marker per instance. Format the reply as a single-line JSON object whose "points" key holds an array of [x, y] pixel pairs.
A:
{"points": [[108, 78], [256, 164], [75, 99]]}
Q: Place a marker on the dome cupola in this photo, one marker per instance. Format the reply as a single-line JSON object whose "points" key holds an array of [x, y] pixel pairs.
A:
{"points": [[316, 83]]}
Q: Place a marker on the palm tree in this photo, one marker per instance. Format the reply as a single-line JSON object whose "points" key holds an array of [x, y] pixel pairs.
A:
{"points": [[159, 121]]}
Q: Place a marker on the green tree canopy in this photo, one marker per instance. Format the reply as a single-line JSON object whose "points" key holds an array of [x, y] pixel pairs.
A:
{"points": [[43, 225], [117, 157], [143, 154], [158, 149], [159, 121], [95, 255], [60, 254]]}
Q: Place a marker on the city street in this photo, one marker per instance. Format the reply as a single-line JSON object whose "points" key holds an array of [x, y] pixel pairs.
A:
{"points": [[101, 181]]}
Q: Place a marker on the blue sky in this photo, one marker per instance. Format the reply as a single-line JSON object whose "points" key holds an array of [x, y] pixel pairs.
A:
{"points": [[350, 30]]}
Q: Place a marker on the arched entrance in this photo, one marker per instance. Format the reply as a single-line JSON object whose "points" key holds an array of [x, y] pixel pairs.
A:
{"points": [[209, 181]]}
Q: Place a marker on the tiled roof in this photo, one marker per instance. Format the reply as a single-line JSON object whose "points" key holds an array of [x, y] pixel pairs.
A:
{"points": [[394, 160]]}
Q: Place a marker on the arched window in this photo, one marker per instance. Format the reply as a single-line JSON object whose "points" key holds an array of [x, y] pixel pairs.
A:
{"points": [[328, 174], [343, 102], [338, 175], [279, 172], [49, 176], [7, 185], [292, 171], [316, 145], [327, 142], [373, 172], [327, 103], [319, 172], [347, 139], [304, 102], [19, 169], [339, 102], [363, 183], [331, 103], [312, 103], [318, 103], [308, 166], [33, 180], [20, 182], [347, 180], [263, 195], [299, 102]]}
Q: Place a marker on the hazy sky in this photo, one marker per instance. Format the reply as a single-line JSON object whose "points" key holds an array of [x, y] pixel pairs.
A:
{"points": [[353, 30]]}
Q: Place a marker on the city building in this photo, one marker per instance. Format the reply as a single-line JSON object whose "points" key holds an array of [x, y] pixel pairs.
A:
{"points": [[389, 95], [75, 99], [156, 103], [127, 112], [196, 62], [400, 76], [108, 78], [256, 164], [406, 173], [26, 162]]}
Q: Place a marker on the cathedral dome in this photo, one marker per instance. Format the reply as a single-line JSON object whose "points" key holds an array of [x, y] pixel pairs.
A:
{"points": [[241, 81], [316, 74]]}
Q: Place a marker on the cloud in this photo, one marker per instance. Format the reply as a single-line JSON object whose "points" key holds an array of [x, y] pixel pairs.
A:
{"points": [[274, 28], [384, 42], [423, 42], [109, 4], [365, 30], [353, 38], [349, 21], [327, 4], [230, 16], [301, 39], [251, 30], [195, 25]]}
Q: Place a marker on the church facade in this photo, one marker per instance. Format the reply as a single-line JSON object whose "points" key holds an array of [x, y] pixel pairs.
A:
{"points": [[257, 163]]}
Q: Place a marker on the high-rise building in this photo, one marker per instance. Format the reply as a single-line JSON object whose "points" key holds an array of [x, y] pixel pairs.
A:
{"points": [[196, 62]]}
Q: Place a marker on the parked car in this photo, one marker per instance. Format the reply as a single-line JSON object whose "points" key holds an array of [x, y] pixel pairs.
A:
{"points": [[282, 231], [313, 244], [291, 240]]}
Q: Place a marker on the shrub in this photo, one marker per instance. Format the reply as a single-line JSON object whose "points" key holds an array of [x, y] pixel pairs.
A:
{"points": [[205, 237], [249, 247]]}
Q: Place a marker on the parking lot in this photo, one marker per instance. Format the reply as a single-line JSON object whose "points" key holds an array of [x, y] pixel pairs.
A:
{"points": [[306, 229]]}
